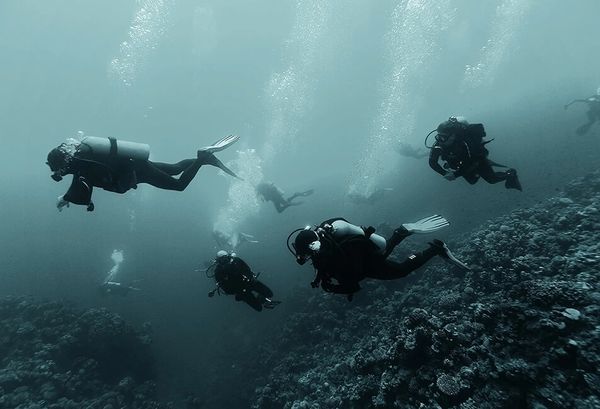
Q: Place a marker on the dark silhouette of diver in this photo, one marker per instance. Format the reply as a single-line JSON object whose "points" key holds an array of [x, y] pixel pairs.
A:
{"points": [[118, 166], [268, 192], [234, 277], [593, 113], [343, 254], [116, 288], [461, 146]]}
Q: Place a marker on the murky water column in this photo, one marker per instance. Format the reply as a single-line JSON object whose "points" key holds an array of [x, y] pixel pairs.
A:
{"points": [[417, 26], [508, 18], [241, 201], [288, 95], [146, 30]]}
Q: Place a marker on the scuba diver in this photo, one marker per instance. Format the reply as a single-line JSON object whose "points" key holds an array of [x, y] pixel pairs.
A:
{"points": [[461, 146], [233, 240], [234, 277], [593, 113], [118, 166], [116, 288], [406, 149], [360, 199], [343, 254], [267, 191]]}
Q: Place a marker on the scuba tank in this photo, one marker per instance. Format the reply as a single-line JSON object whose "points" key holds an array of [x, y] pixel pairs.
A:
{"points": [[342, 229], [97, 147]]}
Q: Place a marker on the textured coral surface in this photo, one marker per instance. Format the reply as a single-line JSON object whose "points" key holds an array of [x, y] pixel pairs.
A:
{"points": [[520, 330], [55, 357]]}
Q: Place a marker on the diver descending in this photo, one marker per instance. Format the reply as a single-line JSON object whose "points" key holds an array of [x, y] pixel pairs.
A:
{"points": [[344, 254], [268, 192], [234, 277], [461, 146], [593, 113], [118, 166]]}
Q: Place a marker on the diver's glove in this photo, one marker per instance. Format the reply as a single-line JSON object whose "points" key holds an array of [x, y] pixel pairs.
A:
{"points": [[427, 225], [61, 203], [450, 176]]}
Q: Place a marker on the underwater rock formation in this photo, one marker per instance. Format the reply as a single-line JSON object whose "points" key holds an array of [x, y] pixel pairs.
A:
{"points": [[521, 329], [55, 357]]}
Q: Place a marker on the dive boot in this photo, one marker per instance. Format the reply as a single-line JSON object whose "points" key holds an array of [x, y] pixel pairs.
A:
{"points": [[444, 252]]}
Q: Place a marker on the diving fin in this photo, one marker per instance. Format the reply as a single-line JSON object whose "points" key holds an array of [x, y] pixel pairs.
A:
{"points": [[221, 144], [445, 252], [427, 225], [512, 180]]}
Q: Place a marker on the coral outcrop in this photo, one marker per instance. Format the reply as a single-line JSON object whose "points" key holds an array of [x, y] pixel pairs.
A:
{"points": [[521, 329]]}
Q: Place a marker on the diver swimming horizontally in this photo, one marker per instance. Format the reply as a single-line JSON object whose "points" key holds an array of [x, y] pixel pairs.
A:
{"points": [[461, 146], [409, 151], [593, 113], [267, 191], [233, 240], [234, 277], [343, 254], [118, 166]]}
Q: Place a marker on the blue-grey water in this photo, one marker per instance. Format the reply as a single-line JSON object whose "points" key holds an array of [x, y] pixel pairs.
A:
{"points": [[320, 93]]}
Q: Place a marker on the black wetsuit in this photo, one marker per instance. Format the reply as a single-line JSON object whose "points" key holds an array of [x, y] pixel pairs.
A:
{"points": [[466, 156], [235, 277], [120, 175], [342, 263]]}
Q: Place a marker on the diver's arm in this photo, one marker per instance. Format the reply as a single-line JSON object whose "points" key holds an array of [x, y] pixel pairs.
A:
{"points": [[80, 192], [434, 157], [575, 100], [342, 288]]}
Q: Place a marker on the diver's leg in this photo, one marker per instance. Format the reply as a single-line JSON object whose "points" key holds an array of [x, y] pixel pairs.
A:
{"points": [[301, 194], [396, 238], [174, 168], [472, 178], [150, 174], [488, 174], [262, 289], [250, 299], [280, 207], [391, 270]]}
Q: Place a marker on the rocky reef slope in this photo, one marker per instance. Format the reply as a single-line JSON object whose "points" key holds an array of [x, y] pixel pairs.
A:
{"points": [[521, 330], [55, 357]]}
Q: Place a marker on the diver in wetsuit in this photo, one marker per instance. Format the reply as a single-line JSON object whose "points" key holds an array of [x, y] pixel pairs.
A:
{"points": [[343, 254], [593, 113], [410, 151], [116, 288], [267, 191], [461, 146], [118, 166], [234, 277]]}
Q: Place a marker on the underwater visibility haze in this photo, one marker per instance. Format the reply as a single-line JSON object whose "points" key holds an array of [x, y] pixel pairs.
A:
{"points": [[124, 303]]}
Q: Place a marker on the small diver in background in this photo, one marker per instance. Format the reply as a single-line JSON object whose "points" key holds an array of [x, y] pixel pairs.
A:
{"points": [[593, 113], [370, 199], [118, 166], [234, 277], [461, 146], [233, 240], [110, 286], [267, 191], [409, 151], [344, 254]]}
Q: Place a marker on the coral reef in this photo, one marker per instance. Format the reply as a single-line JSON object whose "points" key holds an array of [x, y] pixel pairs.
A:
{"points": [[521, 329], [58, 358]]}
